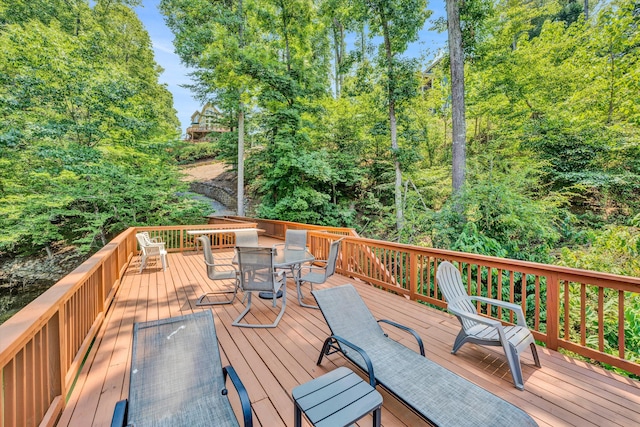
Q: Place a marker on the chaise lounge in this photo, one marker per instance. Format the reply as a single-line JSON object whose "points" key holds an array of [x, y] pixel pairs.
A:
{"points": [[435, 393], [177, 378]]}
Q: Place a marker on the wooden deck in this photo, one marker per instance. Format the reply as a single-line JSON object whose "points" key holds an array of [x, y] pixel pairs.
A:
{"points": [[271, 362]]}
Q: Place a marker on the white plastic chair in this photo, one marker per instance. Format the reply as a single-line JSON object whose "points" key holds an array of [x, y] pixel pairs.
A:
{"points": [[482, 330], [150, 249]]}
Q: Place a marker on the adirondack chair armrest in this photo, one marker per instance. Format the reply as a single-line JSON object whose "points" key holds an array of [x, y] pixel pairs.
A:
{"points": [[476, 318], [329, 344], [508, 305], [406, 329], [120, 414], [242, 393]]}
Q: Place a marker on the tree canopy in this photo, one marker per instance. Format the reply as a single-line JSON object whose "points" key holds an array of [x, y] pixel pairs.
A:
{"points": [[84, 127]]}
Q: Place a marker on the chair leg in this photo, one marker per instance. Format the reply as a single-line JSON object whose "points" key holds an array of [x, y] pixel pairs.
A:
{"points": [[460, 340], [248, 307], [514, 365], [534, 352], [201, 303], [143, 262], [301, 295]]}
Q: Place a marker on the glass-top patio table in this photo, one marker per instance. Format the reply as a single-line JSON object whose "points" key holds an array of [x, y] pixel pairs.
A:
{"points": [[289, 259]]}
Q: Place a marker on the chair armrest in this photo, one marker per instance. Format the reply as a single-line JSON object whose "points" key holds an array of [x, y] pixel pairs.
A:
{"points": [[363, 354], [235, 266], [508, 305], [157, 244], [309, 268], [476, 318], [242, 393], [120, 414], [407, 329]]}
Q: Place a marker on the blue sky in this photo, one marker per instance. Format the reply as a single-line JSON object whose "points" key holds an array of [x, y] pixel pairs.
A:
{"points": [[175, 74]]}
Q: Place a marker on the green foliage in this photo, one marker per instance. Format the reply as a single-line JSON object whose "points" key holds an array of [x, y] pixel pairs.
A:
{"points": [[81, 119], [189, 152], [614, 249], [501, 214]]}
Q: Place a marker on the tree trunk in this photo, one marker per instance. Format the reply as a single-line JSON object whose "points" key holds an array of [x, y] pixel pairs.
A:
{"points": [[240, 192], [240, 195], [339, 49], [458, 125], [392, 123], [586, 10]]}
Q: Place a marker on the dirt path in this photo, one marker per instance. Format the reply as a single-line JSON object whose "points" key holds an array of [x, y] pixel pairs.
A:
{"points": [[205, 170]]}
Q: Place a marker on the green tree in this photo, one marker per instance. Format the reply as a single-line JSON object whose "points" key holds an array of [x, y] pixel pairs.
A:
{"points": [[398, 22], [81, 114]]}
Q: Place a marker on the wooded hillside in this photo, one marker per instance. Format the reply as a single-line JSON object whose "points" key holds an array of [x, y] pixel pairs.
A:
{"points": [[85, 127], [341, 126]]}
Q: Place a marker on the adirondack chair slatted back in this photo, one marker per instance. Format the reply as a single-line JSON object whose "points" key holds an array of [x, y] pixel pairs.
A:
{"points": [[451, 286]]}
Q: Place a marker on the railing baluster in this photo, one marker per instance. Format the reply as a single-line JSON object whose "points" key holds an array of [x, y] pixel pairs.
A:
{"points": [[600, 318], [583, 314], [621, 322]]}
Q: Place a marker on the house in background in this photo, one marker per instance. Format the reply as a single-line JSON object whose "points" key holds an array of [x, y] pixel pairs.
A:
{"points": [[204, 123]]}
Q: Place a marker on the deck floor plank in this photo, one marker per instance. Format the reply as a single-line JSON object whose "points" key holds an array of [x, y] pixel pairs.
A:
{"points": [[271, 362]]}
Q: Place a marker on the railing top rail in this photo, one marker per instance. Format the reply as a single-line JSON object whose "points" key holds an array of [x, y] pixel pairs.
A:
{"points": [[565, 273], [291, 224]]}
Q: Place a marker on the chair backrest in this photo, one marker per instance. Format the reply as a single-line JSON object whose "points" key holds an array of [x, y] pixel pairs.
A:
{"points": [[146, 236], [212, 272], [185, 357], [142, 242], [148, 248], [347, 315], [295, 240], [208, 256], [453, 290], [334, 251], [145, 246], [247, 238], [256, 268]]}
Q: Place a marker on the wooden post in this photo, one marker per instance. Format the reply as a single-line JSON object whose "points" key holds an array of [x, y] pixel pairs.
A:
{"points": [[553, 310], [413, 279]]}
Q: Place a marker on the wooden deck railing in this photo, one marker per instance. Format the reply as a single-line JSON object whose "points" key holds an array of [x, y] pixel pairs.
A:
{"points": [[567, 308], [43, 345]]}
